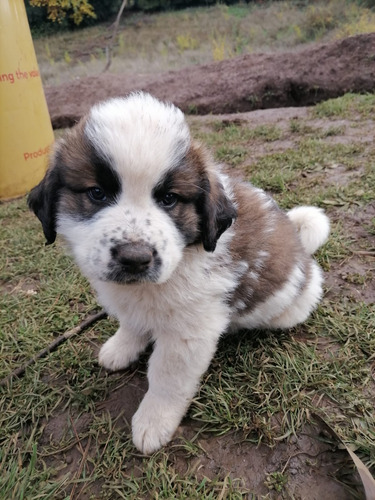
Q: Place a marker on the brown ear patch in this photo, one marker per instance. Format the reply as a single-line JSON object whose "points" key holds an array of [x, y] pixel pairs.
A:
{"points": [[215, 209], [218, 215], [43, 200]]}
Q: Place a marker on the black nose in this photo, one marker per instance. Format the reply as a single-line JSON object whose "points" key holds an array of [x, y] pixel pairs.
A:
{"points": [[134, 257]]}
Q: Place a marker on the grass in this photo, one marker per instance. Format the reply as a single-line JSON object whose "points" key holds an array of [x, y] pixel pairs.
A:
{"points": [[348, 106], [149, 43], [56, 441], [262, 386], [285, 377]]}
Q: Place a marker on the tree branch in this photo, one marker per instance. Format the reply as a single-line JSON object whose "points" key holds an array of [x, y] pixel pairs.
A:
{"points": [[116, 24], [18, 372]]}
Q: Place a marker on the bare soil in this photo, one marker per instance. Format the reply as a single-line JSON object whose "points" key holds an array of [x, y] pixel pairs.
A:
{"points": [[310, 460], [245, 83], [311, 463]]}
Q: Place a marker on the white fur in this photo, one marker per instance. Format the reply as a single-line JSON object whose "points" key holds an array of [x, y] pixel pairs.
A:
{"points": [[184, 317], [125, 220], [121, 137], [185, 311], [119, 127], [264, 313], [302, 306]]}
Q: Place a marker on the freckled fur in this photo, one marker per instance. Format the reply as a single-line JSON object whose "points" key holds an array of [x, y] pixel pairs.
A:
{"points": [[224, 256]]}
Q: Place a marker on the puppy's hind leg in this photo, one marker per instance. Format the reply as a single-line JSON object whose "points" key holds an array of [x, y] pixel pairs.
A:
{"points": [[122, 349], [304, 303]]}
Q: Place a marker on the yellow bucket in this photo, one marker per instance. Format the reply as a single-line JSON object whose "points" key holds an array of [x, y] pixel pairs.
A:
{"points": [[25, 127]]}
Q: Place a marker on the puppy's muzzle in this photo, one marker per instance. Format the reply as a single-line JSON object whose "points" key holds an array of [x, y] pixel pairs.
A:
{"points": [[134, 258]]}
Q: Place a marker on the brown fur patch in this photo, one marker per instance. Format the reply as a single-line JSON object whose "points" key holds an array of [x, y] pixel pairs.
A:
{"points": [[266, 239], [80, 168], [73, 160], [203, 210], [187, 181]]}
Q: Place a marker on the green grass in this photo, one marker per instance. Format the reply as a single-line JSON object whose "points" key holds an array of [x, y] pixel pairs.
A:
{"points": [[262, 386], [283, 376], [149, 43], [347, 106]]}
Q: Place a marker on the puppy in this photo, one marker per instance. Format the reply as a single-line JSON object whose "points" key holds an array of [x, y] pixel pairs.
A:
{"points": [[176, 251]]}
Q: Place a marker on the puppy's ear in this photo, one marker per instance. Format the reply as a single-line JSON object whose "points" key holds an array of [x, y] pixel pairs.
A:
{"points": [[218, 213], [43, 199]]}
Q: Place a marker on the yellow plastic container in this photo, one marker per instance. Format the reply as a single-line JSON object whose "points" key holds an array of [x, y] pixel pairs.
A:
{"points": [[25, 128]]}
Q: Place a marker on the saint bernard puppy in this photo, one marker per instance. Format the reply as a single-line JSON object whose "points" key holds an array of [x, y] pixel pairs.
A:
{"points": [[177, 251]]}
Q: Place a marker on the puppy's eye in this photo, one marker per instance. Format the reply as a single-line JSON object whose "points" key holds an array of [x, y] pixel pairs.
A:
{"points": [[96, 194], [168, 200]]}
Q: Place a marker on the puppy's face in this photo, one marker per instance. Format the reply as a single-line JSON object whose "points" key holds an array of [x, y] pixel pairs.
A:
{"points": [[129, 191]]}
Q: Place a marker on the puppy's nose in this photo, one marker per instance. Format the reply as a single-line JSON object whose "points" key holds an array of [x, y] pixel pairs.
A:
{"points": [[133, 257]]}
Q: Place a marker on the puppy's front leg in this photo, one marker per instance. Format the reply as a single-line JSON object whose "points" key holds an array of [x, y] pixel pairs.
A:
{"points": [[122, 348], [175, 368]]}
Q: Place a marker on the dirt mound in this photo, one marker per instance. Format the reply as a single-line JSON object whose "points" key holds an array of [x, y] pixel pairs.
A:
{"points": [[245, 83]]}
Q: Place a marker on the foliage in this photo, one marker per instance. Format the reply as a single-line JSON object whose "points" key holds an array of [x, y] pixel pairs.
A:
{"points": [[320, 18], [56, 15], [186, 42], [58, 9], [287, 21]]}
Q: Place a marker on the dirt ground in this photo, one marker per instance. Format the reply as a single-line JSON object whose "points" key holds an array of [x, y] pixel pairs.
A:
{"points": [[310, 460], [256, 81]]}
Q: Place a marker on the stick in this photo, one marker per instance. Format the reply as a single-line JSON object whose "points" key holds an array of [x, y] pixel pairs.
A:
{"points": [[364, 252], [114, 34], [18, 372]]}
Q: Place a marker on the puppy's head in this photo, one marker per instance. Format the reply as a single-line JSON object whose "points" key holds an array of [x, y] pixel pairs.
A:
{"points": [[128, 191]]}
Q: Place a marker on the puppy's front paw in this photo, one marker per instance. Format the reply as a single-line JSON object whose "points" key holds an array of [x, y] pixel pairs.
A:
{"points": [[117, 354], [154, 424]]}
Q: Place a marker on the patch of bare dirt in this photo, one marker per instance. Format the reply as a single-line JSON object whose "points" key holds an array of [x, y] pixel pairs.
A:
{"points": [[353, 277], [28, 286], [120, 406], [245, 83], [311, 464]]}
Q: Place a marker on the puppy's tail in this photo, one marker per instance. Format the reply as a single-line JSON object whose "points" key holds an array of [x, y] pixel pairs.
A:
{"points": [[312, 225]]}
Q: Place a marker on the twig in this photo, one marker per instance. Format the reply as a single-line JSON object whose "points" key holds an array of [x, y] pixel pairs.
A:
{"points": [[53, 345], [114, 34], [364, 252], [303, 453]]}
